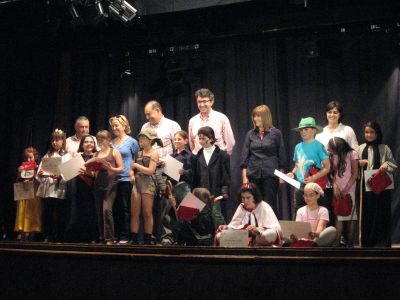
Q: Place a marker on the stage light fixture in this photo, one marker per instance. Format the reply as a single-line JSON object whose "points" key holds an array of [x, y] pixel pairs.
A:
{"points": [[100, 9], [123, 10], [73, 11]]}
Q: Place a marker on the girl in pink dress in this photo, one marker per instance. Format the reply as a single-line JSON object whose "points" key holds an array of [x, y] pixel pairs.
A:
{"points": [[343, 176]]}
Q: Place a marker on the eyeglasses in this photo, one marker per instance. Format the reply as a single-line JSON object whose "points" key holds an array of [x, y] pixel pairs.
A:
{"points": [[203, 101]]}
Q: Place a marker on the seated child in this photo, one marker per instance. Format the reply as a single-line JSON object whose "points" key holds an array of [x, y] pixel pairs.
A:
{"points": [[317, 215], [255, 216], [199, 231]]}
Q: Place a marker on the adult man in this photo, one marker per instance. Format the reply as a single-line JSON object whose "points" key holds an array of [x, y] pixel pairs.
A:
{"points": [[209, 117], [164, 127], [81, 128]]}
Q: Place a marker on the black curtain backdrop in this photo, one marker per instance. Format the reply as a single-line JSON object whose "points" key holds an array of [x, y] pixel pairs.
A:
{"points": [[44, 88]]}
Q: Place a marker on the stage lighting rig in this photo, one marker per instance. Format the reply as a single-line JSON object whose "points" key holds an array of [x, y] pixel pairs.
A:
{"points": [[123, 10]]}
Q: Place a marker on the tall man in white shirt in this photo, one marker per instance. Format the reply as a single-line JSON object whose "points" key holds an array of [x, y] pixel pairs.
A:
{"points": [[209, 117], [81, 128]]}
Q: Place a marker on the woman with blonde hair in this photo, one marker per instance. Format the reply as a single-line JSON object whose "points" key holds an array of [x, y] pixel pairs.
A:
{"points": [[263, 152], [128, 147]]}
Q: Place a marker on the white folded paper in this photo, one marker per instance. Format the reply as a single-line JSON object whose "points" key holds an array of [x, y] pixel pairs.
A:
{"points": [[70, 168], [192, 201], [172, 167], [50, 165], [287, 179], [24, 190]]}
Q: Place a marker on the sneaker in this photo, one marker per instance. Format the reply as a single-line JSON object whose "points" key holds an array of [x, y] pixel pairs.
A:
{"points": [[123, 242], [166, 242]]}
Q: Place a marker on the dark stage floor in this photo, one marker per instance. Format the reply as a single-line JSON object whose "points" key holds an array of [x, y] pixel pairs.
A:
{"points": [[74, 271]]}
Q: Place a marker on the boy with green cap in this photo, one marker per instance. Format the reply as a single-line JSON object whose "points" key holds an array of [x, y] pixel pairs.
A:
{"points": [[309, 152]]}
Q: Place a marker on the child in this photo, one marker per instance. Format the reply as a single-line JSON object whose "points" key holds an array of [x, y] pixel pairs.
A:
{"points": [[306, 154], [28, 219], [344, 174], [375, 209], [52, 191], [255, 216], [211, 170], [105, 185], [317, 216], [82, 226], [199, 231], [182, 154], [143, 193]]}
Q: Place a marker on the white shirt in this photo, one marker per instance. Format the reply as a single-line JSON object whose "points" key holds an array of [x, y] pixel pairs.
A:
{"points": [[72, 145], [207, 152], [165, 129], [343, 131], [50, 187]]}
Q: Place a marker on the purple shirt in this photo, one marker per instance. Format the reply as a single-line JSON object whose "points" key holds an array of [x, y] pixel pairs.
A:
{"points": [[222, 129]]}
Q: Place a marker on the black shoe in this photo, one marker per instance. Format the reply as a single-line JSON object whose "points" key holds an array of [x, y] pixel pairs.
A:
{"points": [[149, 239]]}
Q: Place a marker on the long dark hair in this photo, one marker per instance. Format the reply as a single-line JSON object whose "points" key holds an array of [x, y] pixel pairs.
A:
{"points": [[340, 147], [252, 189], [55, 135]]}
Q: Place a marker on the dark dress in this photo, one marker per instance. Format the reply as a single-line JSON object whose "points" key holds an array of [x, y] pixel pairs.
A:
{"points": [[105, 191], [82, 226]]}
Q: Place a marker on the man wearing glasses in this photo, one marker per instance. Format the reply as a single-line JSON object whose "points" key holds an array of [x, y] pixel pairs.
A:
{"points": [[209, 117]]}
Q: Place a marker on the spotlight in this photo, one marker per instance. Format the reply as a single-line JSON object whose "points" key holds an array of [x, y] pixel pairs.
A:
{"points": [[122, 10]]}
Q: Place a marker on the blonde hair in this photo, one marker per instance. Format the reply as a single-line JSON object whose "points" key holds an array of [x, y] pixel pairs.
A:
{"points": [[265, 113], [105, 134], [314, 187], [123, 121]]}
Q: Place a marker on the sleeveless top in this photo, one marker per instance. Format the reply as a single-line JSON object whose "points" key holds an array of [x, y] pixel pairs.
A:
{"points": [[104, 179], [142, 160]]}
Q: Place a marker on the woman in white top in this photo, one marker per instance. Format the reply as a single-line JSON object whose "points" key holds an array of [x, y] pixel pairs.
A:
{"points": [[335, 128]]}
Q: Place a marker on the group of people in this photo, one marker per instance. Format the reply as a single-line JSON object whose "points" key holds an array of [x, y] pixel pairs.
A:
{"points": [[106, 204]]}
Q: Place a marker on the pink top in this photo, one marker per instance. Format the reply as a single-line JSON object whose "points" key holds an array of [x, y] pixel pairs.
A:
{"points": [[222, 129], [341, 182], [304, 214]]}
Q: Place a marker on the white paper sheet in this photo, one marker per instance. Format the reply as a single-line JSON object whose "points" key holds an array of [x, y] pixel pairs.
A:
{"points": [[172, 167], [299, 229], [70, 168], [24, 190], [287, 179], [50, 165], [192, 201], [234, 238], [369, 173]]}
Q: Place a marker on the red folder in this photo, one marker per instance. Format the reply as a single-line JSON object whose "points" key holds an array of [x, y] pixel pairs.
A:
{"points": [[187, 213], [94, 166]]}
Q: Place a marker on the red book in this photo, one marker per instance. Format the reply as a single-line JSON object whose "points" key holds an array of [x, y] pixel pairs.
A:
{"points": [[187, 213]]}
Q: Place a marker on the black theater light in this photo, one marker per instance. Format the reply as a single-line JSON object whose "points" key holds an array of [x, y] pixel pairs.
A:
{"points": [[123, 10]]}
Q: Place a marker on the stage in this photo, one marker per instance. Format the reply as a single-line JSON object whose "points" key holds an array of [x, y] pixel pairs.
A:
{"points": [[49, 271]]}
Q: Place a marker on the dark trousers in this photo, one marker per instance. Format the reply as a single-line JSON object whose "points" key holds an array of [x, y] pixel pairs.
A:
{"points": [[269, 189], [122, 210], [54, 221]]}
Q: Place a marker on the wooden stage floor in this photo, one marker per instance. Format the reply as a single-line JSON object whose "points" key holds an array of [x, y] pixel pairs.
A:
{"points": [[86, 271]]}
